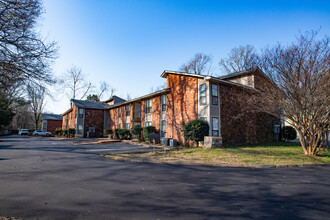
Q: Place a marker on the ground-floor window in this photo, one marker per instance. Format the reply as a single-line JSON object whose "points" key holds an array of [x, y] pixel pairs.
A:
{"points": [[127, 125], [215, 126], [80, 129], [147, 123], [119, 125], [162, 128]]}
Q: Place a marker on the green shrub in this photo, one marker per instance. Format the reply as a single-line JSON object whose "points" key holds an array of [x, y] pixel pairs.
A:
{"points": [[195, 130], [148, 130], [65, 133], [71, 132], [117, 133], [289, 133], [136, 130], [124, 134], [107, 131], [58, 131]]}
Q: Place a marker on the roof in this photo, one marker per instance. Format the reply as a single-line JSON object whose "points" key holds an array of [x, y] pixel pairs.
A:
{"points": [[204, 77], [142, 97], [166, 72], [89, 104], [116, 99], [51, 117], [240, 73]]}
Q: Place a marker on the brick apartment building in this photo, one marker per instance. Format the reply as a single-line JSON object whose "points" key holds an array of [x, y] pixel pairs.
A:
{"points": [[218, 100], [88, 116], [50, 122]]}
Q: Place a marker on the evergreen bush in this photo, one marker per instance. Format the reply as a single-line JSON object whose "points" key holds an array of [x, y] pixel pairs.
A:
{"points": [[195, 130], [289, 133], [58, 131], [148, 130]]}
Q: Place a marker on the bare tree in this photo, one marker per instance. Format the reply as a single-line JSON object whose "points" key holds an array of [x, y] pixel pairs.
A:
{"points": [[24, 55], [128, 97], [36, 97], [75, 84], [301, 73], [199, 64], [104, 87], [239, 59]]}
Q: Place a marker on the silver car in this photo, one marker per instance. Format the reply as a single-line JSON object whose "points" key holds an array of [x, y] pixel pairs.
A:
{"points": [[41, 133]]}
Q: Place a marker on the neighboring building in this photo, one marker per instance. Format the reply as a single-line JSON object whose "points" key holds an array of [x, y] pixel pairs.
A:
{"points": [[88, 117], [218, 100], [50, 122]]}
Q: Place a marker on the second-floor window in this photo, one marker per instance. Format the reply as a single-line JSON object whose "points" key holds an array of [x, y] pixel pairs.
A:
{"points": [[127, 110], [202, 94], [137, 110], [81, 113], [163, 103], [119, 112], [215, 94], [148, 106]]}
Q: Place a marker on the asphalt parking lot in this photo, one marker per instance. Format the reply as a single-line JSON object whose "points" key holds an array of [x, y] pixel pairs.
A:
{"points": [[44, 178]]}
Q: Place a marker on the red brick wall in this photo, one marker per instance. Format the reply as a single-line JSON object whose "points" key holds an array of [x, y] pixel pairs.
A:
{"points": [[53, 124], [69, 119], [182, 103], [156, 112], [241, 122], [122, 117], [113, 118], [142, 113], [94, 118], [64, 121]]}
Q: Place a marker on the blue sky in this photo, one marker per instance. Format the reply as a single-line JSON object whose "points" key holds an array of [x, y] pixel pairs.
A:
{"points": [[130, 43]]}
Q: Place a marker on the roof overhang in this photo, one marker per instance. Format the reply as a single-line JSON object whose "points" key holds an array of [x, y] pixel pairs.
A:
{"points": [[217, 80], [69, 110], [142, 97], [166, 72]]}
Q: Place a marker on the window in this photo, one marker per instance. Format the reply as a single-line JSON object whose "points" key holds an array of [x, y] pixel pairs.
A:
{"points": [[215, 94], [163, 103], [127, 110], [162, 128], [127, 125], [203, 118], [147, 123], [215, 126], [119, 112], [202, 94], [137, 110], [81, 113], [80, 129], [119, 125], [148, 106]]}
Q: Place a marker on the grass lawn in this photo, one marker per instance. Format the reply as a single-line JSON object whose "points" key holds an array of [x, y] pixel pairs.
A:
{"points": [[274, 153]]}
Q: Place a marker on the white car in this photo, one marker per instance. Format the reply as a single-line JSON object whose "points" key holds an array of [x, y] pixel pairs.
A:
{"points": [[23, 132], [41, 133]]}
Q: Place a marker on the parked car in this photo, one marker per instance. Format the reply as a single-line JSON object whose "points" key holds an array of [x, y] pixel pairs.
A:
{"points": [[41, 133], [23, 132]]}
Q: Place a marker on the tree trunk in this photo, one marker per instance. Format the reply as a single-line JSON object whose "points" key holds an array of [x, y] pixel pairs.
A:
{"points": [[302, 142]]}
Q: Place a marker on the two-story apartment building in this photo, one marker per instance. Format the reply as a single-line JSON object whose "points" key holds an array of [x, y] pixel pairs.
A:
{"points": [[221, 101]]}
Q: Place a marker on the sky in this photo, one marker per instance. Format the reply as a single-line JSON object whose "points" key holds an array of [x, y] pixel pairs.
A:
{"points": [[130, 43]]}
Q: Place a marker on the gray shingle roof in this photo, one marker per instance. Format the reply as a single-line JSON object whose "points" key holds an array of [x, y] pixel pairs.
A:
{"points": [[89, 104], [239, 73], [116, 99], [51, 117]]}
